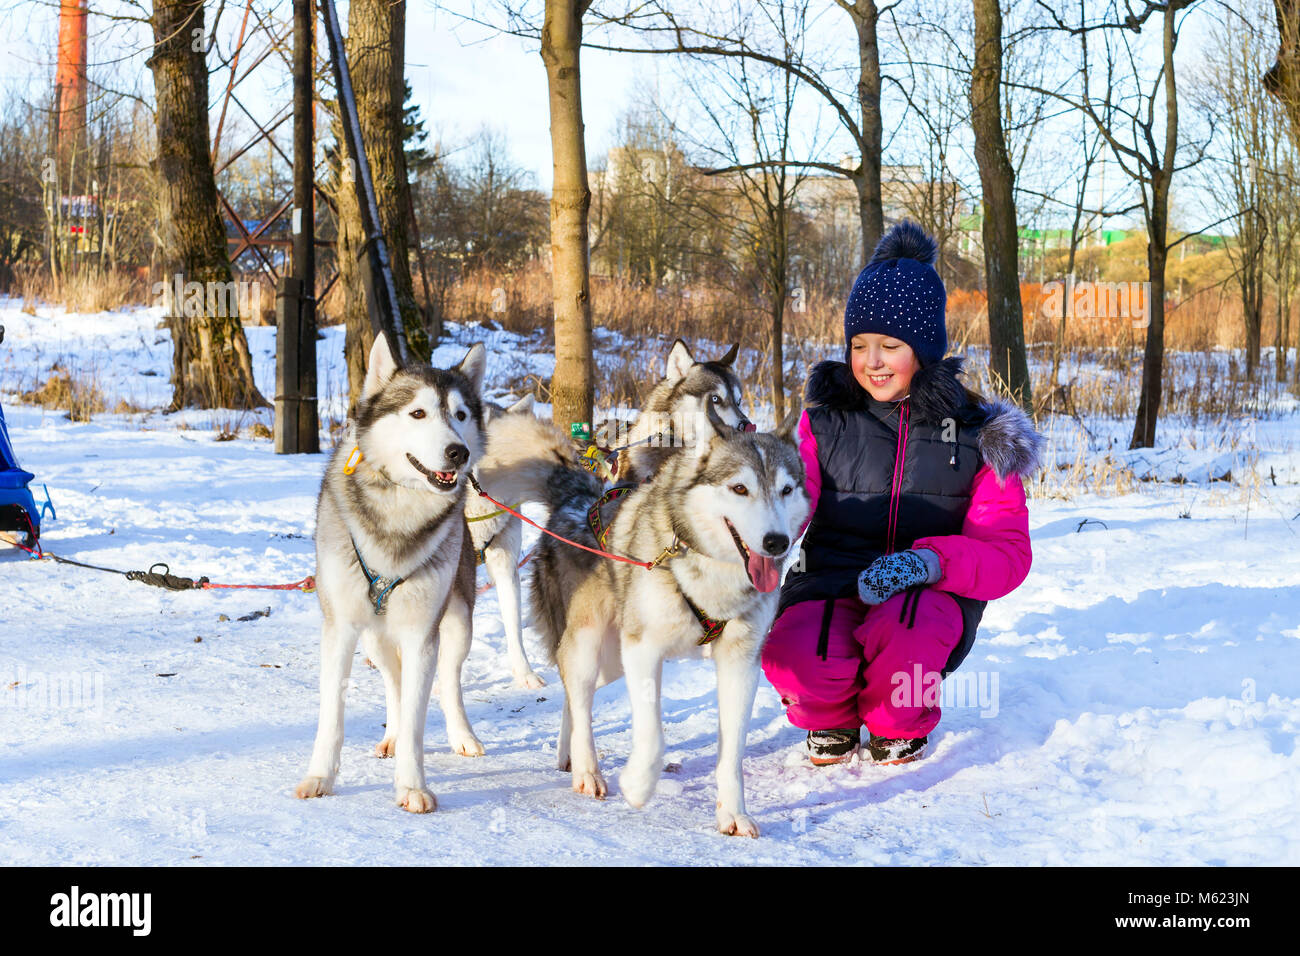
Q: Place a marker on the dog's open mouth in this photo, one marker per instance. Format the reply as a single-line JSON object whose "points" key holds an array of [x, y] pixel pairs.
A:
{"points": [[442, 480], [764, 573]]}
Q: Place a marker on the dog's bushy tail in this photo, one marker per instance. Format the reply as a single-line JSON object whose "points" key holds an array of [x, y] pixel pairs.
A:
{"points": [[528, 459]]}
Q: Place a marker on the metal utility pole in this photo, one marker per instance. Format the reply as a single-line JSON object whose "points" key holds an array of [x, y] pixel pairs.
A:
{"points": [[296, 423]]}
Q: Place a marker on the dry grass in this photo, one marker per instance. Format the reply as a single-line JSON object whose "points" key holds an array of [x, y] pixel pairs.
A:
{"points": [[78, 394], [83, 289]]}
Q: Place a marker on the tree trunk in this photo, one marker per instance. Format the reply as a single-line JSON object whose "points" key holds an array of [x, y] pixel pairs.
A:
{"points": [[1144, 426], [1252, 295], [1283, 80], [779, 265], [1282, 334], [211, 366], [1007, 359], [376, 57], [870, 202], [572, 385], [1153, 356]]}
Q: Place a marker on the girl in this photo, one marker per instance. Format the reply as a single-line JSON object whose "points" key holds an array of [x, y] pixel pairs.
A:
{"points": [[918, 519]]}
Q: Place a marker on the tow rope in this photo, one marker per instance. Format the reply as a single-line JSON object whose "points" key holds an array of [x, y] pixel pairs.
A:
{"points": [[159, 578], [712, 627], [669, 552]]}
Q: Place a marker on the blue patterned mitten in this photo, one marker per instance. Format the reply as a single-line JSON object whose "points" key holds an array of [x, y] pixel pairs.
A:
{"points": [[895, 573]]}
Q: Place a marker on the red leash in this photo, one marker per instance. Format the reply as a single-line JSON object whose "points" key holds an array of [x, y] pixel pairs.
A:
{"points": [[307, 585], [648, 565]]}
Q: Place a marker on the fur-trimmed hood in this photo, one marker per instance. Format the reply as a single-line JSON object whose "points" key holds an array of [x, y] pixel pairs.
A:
{"points": [[1008, 442]]}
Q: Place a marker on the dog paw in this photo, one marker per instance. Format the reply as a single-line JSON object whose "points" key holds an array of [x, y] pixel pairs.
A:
{"points": [[314, 787], [530, 680], [592, 784], [565, 765], [736, 824], [416, 799], [637, 785], [467, 746], [386, 747]]}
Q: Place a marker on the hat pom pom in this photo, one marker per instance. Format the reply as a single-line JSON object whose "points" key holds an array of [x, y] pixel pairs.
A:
{"points": [[907, 240]]}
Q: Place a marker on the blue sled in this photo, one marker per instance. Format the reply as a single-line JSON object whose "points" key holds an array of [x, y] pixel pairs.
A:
{"points": [[18, 511]]}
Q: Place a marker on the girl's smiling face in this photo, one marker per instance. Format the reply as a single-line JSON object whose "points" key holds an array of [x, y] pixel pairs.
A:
{"points": [[883, 365]]}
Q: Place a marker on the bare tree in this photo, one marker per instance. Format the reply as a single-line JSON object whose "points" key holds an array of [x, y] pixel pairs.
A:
{"points": [[1140, 125], [935, 88], [1283, 77], [753, 136], [480, 208], [1281, 200], [746, 30], [211, 364], [573, 383], [1007, 361], [1231, 87]]}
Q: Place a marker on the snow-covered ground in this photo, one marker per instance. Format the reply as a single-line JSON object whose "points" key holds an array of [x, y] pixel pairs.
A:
{"points": [[1136, 701]]}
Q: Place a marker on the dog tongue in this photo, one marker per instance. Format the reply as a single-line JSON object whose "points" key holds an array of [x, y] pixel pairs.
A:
{"points": [[763, 571]]}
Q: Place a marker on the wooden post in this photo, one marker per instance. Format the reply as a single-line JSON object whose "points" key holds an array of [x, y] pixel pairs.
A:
{"points": [[296, 422]]}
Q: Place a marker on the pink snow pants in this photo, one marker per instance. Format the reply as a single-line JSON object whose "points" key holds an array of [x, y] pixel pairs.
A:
{"points": [[877, 670]]}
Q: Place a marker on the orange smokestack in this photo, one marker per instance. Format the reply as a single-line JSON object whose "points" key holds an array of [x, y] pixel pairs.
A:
{"points": [[70, 77]]}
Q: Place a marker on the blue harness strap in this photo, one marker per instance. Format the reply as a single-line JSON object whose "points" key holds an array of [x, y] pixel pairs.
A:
{"points": [[380, 587]]}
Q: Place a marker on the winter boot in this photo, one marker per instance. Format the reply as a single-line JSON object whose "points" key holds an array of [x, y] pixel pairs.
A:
{"points": [[886, 752], [832, 746]]}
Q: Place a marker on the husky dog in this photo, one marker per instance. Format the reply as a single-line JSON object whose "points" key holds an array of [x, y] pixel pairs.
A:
{"points": [[687, 389], [670, 411], [394, 563], [731, 507], [497, 540]]}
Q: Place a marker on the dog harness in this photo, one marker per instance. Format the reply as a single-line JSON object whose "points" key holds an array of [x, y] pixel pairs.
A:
{"points": [[593, 513], [380, 587], [711, 626], [480, 554]]}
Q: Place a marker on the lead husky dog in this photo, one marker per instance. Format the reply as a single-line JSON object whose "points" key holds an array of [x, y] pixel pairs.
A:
{"points": [[688, 390], [732, 505], [394, 564]]}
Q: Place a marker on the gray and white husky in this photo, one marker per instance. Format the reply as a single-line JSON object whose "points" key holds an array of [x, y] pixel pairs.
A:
{"points": [[497, 539], [394, 563], [688, 389], [732, 506], [669, 413]]}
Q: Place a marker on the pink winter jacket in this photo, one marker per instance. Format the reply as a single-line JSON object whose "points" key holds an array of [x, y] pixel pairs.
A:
{"points": [[991, 556]]}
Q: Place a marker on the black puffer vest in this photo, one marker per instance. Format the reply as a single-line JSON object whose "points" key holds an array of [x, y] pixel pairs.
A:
{"points": [[871, 502]]}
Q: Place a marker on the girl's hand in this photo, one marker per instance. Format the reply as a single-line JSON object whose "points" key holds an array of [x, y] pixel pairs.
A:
{"points": [[895, 573]]}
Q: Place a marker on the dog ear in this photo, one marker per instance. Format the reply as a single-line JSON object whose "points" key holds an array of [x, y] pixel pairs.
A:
{"points": [[524, 404], [708, 426], [379, 368], [473, 365], [730, 356], [680, 361], [786, 430]]}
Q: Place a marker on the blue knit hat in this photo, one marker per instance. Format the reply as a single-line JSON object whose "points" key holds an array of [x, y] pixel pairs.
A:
{"points": [[900, 294]]}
